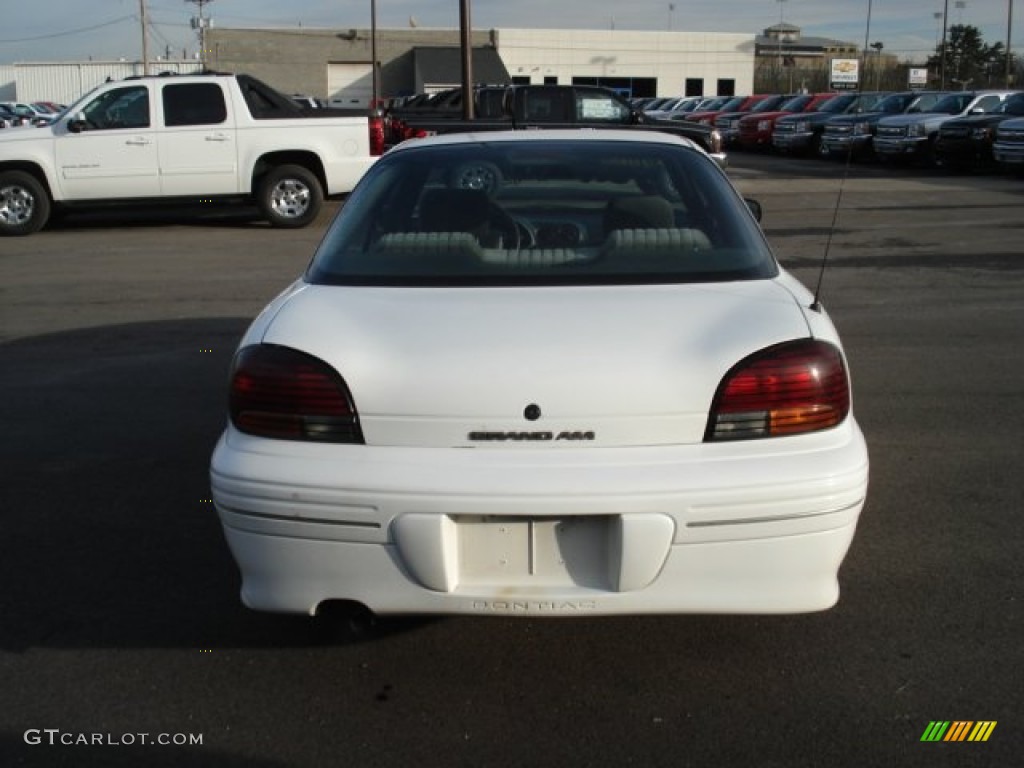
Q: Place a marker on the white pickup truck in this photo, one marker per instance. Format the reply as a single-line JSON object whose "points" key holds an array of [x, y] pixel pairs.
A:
{"points": [[184, 138]]}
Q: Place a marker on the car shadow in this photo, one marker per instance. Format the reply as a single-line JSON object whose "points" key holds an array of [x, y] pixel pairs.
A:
{"points": [[110, 538], [211, 214]]}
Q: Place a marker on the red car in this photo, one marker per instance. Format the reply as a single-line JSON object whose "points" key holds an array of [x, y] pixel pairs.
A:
{"points": [[755, 130], [736, 104]]}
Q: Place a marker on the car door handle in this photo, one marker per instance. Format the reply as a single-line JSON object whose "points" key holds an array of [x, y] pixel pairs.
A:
{"points": [[218, 137], [138, 141]]}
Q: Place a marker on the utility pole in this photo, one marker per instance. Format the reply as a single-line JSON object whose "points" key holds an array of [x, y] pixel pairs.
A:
{"points": [[375, 81], [145, 37], [201, 24], [465, 33]]}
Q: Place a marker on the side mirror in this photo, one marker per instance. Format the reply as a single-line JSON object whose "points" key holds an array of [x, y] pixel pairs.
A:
{"points": [[636, 117], [755, 208], [77, 123]]}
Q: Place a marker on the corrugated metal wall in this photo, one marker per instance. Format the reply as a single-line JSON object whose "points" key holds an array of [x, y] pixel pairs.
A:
{"points": [[64, 83], [8, 90]]}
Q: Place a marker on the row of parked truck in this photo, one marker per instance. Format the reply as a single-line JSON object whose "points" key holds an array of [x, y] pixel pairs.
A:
{"points": [[961, 129]]}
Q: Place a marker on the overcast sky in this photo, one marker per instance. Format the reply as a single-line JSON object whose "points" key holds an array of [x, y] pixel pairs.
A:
{"points": [[62, 30]]}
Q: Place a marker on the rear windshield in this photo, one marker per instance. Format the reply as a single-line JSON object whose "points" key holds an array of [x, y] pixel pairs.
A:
{"points": [[542, 212]]}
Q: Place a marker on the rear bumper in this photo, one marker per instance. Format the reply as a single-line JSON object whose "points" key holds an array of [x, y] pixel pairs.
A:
{"points": [[724, 528]]}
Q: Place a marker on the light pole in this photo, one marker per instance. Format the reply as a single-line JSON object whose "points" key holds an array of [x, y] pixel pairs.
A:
{"points": [[878, 46], [1009, 35], [942, 50], [779, 35]]}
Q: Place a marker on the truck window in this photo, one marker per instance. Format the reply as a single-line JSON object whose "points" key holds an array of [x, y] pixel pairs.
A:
{"points": [[194, 104], [542, 106], [118, 108], [264, 102], [600, 108]]}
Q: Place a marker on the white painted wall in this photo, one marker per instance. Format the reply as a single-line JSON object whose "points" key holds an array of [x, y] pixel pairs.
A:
{"points": [[669, 56]]}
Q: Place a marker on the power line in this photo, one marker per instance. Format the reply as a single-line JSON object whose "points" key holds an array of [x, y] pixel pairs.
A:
{"points": [[70, 31]]}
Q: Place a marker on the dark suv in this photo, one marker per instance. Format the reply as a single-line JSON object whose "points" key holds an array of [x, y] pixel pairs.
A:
{"points": [[966, 142]]}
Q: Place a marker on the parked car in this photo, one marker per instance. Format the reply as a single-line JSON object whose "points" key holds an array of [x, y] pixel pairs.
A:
{"points": [[29, 114], [802, 133], [653, 105], [707, 114], [678, 109], [583, 387], [755, 131], [913, 136], [49, 107], [966, 142], [846, 134], [1008, 147], [728, 123], [7, 118]]}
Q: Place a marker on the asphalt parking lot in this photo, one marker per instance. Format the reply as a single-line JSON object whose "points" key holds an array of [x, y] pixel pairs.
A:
{"points": [[119, 614]]}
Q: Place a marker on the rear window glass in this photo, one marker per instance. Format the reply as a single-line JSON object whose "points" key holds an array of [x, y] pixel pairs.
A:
{"points": [[551, 212]]}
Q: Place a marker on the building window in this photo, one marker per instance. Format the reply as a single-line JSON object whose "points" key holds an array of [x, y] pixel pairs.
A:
{"points": [[726, 87], [694, 86], [550, 80], [520, 80], [627, 87]]}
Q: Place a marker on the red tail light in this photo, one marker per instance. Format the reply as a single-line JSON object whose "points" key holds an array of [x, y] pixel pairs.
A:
{"points": [[377, 134], [788, 389], [286, 394]]}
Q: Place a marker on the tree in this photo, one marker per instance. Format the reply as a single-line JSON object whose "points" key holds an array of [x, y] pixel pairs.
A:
{"points": [[969, 59]]}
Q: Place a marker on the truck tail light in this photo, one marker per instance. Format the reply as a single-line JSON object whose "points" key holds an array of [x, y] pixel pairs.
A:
{"points": [[788, 389], [285, 394], [377, 134]]}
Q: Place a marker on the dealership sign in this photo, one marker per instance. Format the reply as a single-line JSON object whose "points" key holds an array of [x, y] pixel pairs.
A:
{"points": [[845, 74], [918, 77]]}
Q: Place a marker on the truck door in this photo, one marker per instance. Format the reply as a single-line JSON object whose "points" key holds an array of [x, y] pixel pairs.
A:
{"points": [[108, 148], [198, 146]]}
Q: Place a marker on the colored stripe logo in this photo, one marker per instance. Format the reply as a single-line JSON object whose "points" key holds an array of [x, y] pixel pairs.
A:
{"points": [[958, 730]]}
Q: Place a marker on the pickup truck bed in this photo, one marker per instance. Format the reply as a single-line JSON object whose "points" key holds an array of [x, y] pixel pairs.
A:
{"points": [[534, 107]]}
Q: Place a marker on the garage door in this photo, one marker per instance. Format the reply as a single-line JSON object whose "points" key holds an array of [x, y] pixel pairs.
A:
{"points": [[349, 85]]}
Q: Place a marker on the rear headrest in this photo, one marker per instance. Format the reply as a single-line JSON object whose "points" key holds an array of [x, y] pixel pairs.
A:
{"points": [[662, 241], [640, 212], [454, 210]]}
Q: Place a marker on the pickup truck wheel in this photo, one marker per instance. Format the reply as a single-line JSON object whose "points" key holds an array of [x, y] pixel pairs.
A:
{"points": [[24, 204], [290, 196]]}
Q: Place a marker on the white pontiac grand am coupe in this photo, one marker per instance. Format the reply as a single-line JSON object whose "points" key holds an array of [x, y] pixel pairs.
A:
{"points": [[548, 373]]}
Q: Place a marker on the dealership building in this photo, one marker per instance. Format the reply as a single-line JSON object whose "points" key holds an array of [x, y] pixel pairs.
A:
{"points": [[337, 64]]}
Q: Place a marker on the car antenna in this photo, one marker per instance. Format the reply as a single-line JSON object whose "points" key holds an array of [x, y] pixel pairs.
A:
{"points": [[816, 304]]}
